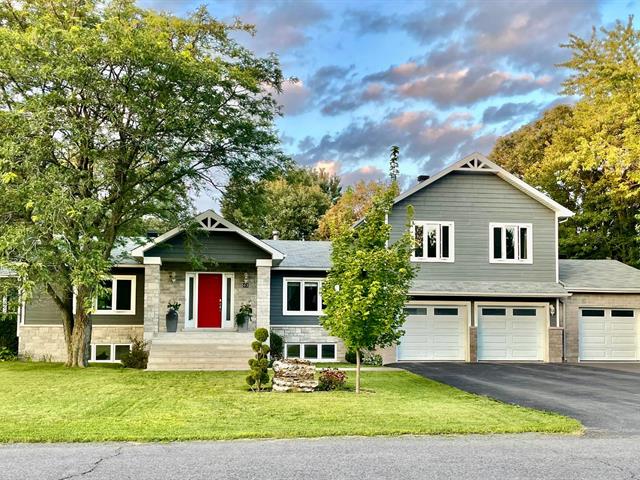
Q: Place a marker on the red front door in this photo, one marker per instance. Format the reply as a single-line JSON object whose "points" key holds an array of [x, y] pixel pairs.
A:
{"points": [[209, 300]]}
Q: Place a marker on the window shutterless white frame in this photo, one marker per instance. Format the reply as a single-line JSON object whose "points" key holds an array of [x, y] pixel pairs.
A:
{"points": [[112, 355], [192, 323], [426, 225], [319, 346], [503, 239], [114, 295], [302, 281]]}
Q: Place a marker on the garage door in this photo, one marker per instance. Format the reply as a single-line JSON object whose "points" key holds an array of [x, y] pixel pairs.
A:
{"points": [[608, 334], [434, 333], [511, 333]]}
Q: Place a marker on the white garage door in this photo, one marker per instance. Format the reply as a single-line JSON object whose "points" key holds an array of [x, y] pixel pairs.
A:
{"points": [[434, 333], [608, 334], [511, 333]]}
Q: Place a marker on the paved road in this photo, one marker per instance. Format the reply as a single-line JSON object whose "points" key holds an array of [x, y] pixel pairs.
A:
{"points": [[457, 457], [605, 400]]}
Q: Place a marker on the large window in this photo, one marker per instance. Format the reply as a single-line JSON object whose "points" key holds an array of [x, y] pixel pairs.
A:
{"points": [[433, 241], [510, 243], [324, 352], [302, 296], [118, 296]]}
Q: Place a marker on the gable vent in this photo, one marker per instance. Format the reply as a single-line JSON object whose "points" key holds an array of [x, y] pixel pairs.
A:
{"points": [[476, 164]]}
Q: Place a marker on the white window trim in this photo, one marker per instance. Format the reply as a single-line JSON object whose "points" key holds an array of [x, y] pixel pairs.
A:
{"points": [[438, 258], [112, 355], [503, 238], [319, 349], [114, 287], [301, 312]]}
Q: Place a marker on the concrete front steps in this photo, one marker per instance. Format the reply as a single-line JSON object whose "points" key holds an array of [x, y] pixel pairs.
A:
{"points": [[201, 350]]}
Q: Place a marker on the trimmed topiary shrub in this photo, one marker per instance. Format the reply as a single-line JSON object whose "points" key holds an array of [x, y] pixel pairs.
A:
{"points": [[259, 375], [138, 357], [331, 379]]}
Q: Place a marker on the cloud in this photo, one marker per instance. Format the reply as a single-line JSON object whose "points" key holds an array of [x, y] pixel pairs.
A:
{"points": [[468, 86], [295, 97], [280, 25], [475, 50], [508, 111], [422, 137]]}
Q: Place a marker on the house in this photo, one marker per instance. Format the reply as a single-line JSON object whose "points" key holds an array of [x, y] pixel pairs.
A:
{"points": [[490, 287]]}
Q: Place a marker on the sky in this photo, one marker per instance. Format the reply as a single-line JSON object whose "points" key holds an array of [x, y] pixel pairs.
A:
{"points": [[439, 79]]}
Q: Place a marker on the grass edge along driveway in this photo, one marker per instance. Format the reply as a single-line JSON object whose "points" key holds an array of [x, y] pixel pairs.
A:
{"points": [[48, 403]]}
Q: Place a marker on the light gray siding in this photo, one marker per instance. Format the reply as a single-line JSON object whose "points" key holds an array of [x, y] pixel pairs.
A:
{"points": [[473, 201], [277, 317], [41, 310], [221, 247]]}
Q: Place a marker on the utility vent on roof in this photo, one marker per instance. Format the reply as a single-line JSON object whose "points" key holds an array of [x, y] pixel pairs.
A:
{"points": [[210, 223], [476, 164]]}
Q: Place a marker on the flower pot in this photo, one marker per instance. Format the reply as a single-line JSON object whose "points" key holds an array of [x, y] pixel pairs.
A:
{"points": [[242, 322], [172, 321]]}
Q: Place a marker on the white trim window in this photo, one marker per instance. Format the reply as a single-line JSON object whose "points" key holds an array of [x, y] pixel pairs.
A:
{"points": [[319, 352], [302, 296], [109, 352], [510, 243], [118, 296], [434, 241]]}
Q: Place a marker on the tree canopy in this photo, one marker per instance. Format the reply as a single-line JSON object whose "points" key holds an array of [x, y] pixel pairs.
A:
{"points": [[290, 202], [110, 114], [587, 157], [351, 207], [366, 288]]}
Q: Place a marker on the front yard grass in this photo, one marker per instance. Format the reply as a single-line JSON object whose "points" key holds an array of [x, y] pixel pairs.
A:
{"points": [[48, 403]]}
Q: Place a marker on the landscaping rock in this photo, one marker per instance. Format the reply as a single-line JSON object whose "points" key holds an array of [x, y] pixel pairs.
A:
{"points": [[292, 375]]}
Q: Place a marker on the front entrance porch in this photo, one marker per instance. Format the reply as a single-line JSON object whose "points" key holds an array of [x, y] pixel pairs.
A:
{"points": [[208, 336]]}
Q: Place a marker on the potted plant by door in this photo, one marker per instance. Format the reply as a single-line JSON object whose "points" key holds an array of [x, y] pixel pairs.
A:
{"points": [[243, 317], [172, 317]]}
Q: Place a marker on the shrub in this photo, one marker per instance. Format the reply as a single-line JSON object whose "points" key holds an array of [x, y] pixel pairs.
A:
{"points": [[138, 357], [7, 355], [331, 379], [372, 359], [259, 374], [350, 356], [277, 346]]}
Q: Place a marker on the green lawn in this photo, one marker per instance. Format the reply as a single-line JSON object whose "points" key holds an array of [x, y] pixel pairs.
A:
{"points": [[48, 403]]}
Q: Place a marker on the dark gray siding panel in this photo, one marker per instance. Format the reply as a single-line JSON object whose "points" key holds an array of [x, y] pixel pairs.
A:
{"points": [[277, 318], [41, 310], [221, 247], [472, 201]]}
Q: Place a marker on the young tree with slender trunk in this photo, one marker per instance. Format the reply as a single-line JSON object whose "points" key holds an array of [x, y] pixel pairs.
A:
{"points": [[366, 288], [110, 115]]}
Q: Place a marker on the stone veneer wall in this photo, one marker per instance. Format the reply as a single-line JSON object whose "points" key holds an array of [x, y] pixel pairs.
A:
{"points": [[556, 345], [310, 335], [572, 307], [47, 342], [176, 291]]}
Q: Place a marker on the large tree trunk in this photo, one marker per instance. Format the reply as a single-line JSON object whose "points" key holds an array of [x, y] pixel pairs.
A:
{"points": [[357, 370], [81, 334]]}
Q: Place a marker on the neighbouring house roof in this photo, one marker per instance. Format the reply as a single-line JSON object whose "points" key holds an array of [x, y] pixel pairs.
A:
{"points": [[212, 222], [487, 288], [605, 276], [121, 254], [478, 163], [303, 255]]}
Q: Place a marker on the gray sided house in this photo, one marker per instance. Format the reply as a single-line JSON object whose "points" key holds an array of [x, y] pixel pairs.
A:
{"points": [[490, 287]]}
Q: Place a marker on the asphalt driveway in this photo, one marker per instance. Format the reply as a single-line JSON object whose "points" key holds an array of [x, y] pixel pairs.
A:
{"points": [[605, 399]]}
